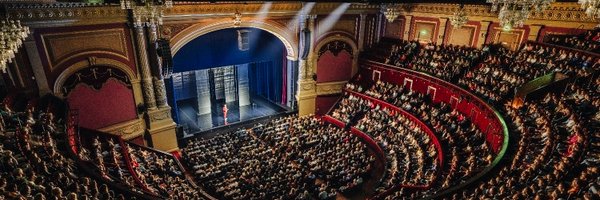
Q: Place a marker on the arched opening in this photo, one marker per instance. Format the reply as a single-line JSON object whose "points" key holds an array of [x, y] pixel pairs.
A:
{"points": [[87, 90], [245, 69]]}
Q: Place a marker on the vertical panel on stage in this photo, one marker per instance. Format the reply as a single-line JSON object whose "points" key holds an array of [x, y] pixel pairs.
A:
{"points": [[203, 91], [243, 85]]}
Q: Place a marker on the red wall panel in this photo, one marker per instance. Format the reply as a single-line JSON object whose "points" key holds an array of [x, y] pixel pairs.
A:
{"points": [[331, 68], [112, 104], [324, 103]]}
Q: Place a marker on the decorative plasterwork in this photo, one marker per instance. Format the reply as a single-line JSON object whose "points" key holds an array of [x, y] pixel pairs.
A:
{"points": [[330, 87], [61, 12], [127, 130], [204, 8], [564, 11], [160, 115], [336, 46], [58, 84], [170, 30], [95, 77], [64, 46]]}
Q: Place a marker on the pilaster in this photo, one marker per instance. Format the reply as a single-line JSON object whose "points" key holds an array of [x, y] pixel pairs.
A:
{"points": [[483, 33], [442, 31], [306, 97], [362, 30], [534, 31], [407, 27], [38, 69], [162, 129]]}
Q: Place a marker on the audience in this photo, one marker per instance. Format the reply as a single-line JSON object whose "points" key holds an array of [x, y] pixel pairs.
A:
{"points": [[286, 158], [556, 138]]}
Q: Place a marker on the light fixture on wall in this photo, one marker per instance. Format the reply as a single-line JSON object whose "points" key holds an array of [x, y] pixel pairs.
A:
{"points": [[459, 18], [147, 12], [11, 39], [514, 13], [390, 12], [592, 7]]}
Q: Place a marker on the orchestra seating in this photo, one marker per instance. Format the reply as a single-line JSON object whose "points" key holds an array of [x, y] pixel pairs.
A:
{"points": [[287, 158]]}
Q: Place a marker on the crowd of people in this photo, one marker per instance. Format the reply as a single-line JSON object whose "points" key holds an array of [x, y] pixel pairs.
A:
{"points": [[465, 147], [32, 164], [444, 61], [138, 169], [588, 41], [498, 76], [286, 158], [411, 154], [556, 138]]}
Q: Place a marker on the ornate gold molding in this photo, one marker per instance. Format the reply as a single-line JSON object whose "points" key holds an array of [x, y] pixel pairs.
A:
{"points": [[127, 130], [330, 87], [283, 8], [37, 15], [58, 84], [160, 115], [561, 11], [61, 47]]}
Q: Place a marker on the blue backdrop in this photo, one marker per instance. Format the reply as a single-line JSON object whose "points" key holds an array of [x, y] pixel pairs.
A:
{"points": [[220, 48]]}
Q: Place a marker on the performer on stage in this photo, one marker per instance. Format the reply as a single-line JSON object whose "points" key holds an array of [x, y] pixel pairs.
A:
{"points": [[225, 113]]}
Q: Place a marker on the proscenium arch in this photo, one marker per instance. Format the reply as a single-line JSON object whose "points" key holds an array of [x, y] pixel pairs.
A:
{"points": [[60, 81], [197, 30], [333, 37]]}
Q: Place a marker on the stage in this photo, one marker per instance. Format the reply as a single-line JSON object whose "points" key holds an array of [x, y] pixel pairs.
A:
{"points": [[193, 123]]}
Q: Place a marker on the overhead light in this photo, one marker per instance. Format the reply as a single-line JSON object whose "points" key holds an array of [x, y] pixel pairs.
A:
{"points": [[591, 7], [514, 13], [390, 12], [11, 39], [459, 18]]}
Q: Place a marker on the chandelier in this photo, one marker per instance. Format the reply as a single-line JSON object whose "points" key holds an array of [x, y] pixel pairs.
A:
{"points": [[514, 13], [11, 38], [592, 7], [390, 12], [147, 12], [459, 18]]}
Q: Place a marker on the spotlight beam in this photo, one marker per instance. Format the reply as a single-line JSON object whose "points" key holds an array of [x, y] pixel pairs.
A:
{"points": [[332, 18]]}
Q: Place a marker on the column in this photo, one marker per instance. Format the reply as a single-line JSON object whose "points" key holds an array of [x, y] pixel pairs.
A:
{"points": [[442, 31], [483, 33], [147, 87], [407, 27], [534, 31], [362, 30], [306, 94], [380, 21], [36, 65], [157, 78]]}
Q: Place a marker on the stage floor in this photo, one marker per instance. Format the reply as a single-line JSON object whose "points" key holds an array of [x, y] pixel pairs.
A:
{"points": [[193, 123]]}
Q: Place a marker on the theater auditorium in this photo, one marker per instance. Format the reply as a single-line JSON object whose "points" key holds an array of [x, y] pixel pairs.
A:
{"points": [[308, 100]]}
